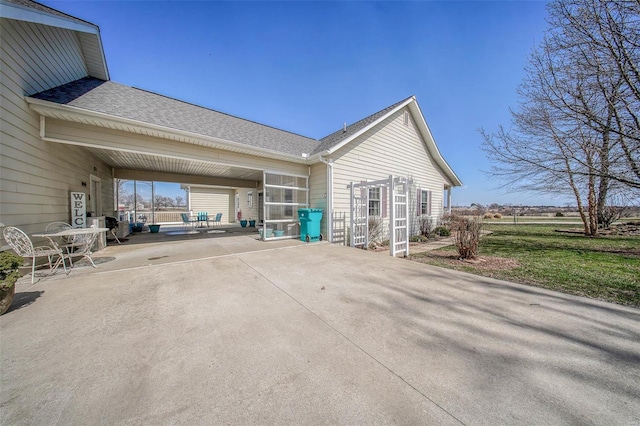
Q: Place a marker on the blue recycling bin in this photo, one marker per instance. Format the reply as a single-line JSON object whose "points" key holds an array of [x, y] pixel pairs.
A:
{"points": [[310, 224]]}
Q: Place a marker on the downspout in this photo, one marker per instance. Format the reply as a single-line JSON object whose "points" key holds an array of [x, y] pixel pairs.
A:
{"points": [[329, 164]]}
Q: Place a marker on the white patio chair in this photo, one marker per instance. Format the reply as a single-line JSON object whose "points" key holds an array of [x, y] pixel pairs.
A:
{"points": [[82, 246], [59, 226], [23, 246]]}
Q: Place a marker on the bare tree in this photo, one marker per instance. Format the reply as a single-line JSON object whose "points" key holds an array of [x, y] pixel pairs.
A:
{"points": [[577, 129], [163, 202]]}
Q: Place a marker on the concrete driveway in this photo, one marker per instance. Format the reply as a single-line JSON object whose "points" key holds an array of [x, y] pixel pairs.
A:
{"points": [[237, 331]]}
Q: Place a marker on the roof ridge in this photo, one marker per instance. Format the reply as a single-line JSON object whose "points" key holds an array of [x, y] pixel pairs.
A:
{"points": [[341, 134], [354, 124], [219, 112]]}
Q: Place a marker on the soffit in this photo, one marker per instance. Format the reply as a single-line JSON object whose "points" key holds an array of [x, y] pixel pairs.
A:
{"points": [[151, 163]]}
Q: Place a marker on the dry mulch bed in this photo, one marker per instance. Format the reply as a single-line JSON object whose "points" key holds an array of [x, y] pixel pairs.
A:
{"points": [[486, 263]]}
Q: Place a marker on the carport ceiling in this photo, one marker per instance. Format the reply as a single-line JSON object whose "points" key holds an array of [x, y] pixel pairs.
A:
{"points": [[151, 163]]}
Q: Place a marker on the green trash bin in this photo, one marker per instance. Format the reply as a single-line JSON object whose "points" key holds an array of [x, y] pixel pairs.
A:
{"points": [[310, 224]]}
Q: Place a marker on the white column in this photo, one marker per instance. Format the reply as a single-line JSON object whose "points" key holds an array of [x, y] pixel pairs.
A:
{"points": [[392, 216], [351, 205]]}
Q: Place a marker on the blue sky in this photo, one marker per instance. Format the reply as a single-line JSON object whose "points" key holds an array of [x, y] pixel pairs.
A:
{"points": [[308, 67]]}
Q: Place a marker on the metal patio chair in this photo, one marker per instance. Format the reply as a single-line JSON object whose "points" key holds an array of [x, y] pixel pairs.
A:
{"points": [[23, 246], [203, 217], [218, 219], [82, 246], [186, 220], [59, 226]]}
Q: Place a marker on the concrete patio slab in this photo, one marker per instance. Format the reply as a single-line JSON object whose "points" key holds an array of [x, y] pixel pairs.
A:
{"points": [[237, 331]]}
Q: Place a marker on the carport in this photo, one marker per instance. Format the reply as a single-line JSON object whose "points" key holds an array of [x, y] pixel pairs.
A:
{"points": [[147, 137]]}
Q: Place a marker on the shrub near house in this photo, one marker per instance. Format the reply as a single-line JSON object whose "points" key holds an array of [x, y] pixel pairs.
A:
{"points": [[9, 274]]}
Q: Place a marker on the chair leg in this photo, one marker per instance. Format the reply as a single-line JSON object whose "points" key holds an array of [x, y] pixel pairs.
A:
{"points": [[33, 269], [90, 260], [64, 264], [69, 251]]}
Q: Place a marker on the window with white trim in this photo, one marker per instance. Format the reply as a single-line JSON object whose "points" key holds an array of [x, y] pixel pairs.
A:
{"points": [[374, 201], [425, 201]]}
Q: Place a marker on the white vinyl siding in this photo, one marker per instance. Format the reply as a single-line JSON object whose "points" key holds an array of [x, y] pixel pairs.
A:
{"points": [[390, 148], [212, 201], [37, 177], [38, 57], [318, 193]]}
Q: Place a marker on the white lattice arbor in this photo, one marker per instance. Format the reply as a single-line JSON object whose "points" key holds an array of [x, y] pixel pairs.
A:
{"points": [[397, 208]]}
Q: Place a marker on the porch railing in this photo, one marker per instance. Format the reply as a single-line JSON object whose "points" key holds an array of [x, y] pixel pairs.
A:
{"points": [[162, 217]]}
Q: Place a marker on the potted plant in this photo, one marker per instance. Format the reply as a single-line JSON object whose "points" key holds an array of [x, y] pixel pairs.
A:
{"points": [[243, 223], [9, 274], [252, 223]]}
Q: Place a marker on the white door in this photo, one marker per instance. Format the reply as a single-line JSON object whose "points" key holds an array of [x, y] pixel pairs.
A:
{"points": [[237, 209], [95, 196]]}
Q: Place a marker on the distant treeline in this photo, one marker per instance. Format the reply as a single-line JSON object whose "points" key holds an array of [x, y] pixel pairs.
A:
{"points": [[506, 210]]}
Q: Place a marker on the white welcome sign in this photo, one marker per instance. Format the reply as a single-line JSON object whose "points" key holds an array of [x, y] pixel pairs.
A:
{"points": [[78, 209]]}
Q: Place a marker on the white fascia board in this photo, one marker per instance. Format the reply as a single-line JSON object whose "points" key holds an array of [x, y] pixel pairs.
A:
{"points": [[27, 14], [47, 109], [104, 58], [432, 147], [367, 128]]}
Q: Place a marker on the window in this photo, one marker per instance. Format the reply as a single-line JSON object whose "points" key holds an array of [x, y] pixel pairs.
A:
{"points": [[374, 201], [425, 202]]}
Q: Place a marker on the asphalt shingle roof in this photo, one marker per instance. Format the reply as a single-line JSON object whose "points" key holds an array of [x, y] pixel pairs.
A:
{"points": [[342, 134], [135, 104]]}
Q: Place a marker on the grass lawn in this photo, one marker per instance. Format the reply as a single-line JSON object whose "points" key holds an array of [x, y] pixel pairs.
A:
{"points": [[605, 268]]}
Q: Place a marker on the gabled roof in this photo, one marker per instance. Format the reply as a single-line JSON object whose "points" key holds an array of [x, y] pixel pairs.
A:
{"points": [[88, 33], [337, 139], [117, 100], [112, 101]]}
